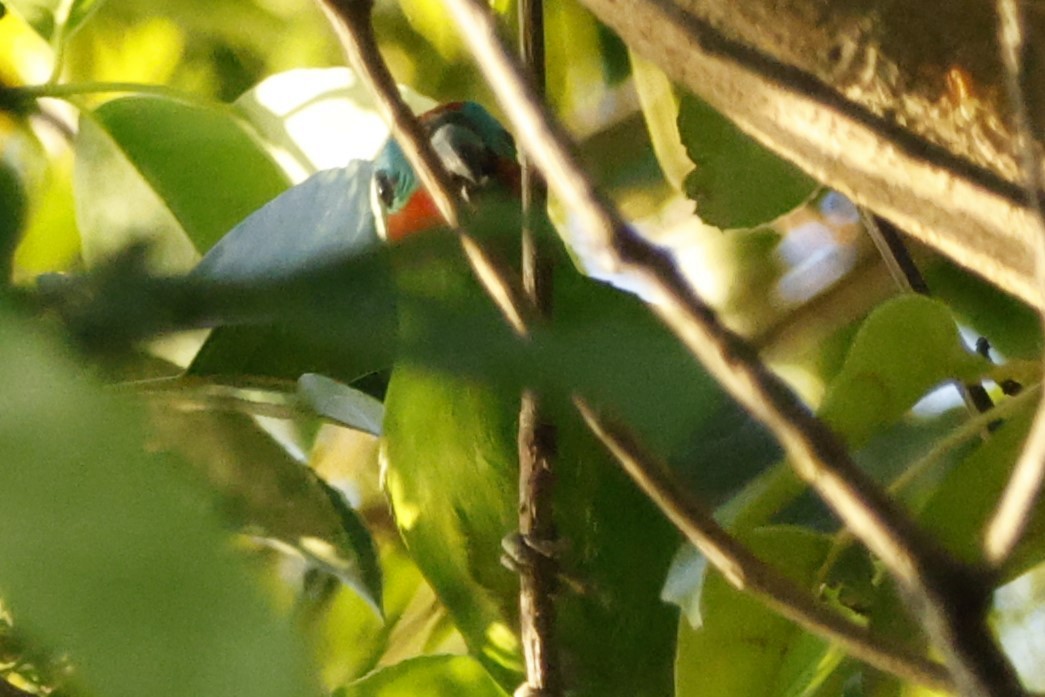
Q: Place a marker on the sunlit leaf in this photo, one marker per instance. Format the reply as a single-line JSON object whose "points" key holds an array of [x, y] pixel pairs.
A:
{"points": [[737, 183], [176, 174], [109, 555], [47, 16]]}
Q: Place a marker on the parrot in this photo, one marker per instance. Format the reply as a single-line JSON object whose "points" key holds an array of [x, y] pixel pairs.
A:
{"points": [[449, 444]]}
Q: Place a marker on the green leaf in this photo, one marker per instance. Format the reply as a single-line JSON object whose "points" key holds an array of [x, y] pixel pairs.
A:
{"points": [[432, 676], [341, 403], [109, 556], [1012, 327], [737, 183], [271, 495], [742, 647], [172, 173], [905, 347], [49, 16], [965, 499]]}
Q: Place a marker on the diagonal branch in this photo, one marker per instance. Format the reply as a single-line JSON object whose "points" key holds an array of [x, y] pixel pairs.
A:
{"points": [[747, 572], [1017, 502], [351, 20], [939, 587]]}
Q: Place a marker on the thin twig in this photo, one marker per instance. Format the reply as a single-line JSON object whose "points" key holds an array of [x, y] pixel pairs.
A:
{"points": [[1005, 527], [351, 20], [747, 572], [950, 598], [538, 439], [905, 272]]}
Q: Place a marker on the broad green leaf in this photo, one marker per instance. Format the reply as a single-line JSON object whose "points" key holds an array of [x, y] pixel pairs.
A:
{"points": [[905, 347], [273, 496], [49, 16], [109, 556], [319, 118], [172, 173], [340, 403], [742, 647], [963, 502], [737, 183], [432, 676]]}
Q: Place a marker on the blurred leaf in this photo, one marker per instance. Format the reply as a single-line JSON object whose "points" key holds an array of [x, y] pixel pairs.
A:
{"points": [[341, 403], [274, 496], [319, 118], [432, 676], [737, 183], [47, 16], [348, 638], [905, 347], [742, 647], [178, 174], [109, 555], [51, 241], [660, 107]]}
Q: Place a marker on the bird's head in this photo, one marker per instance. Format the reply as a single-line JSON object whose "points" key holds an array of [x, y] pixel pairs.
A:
{"points": [[474, 148]]}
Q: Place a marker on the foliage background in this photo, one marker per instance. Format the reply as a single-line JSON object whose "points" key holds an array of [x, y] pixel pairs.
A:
{"points": [[95, 503]]}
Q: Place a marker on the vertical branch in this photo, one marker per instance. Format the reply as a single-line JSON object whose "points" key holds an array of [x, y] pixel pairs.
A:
{"points": [[1005, 527], [537, 437]]}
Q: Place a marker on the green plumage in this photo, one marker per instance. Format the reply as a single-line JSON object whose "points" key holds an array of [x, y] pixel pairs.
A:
{"points": [[452, 479]]}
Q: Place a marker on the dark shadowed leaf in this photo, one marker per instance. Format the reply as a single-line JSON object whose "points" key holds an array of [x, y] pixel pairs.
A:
{"points": [[737, 183]]}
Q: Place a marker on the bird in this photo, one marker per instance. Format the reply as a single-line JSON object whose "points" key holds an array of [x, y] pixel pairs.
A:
{"points": [[450, 462]]}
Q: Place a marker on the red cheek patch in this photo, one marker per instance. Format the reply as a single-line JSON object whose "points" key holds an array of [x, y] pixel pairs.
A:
{"points": [[419, 214]]}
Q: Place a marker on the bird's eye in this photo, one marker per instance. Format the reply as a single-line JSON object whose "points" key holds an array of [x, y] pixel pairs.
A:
{"points": [[386, 190]]}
